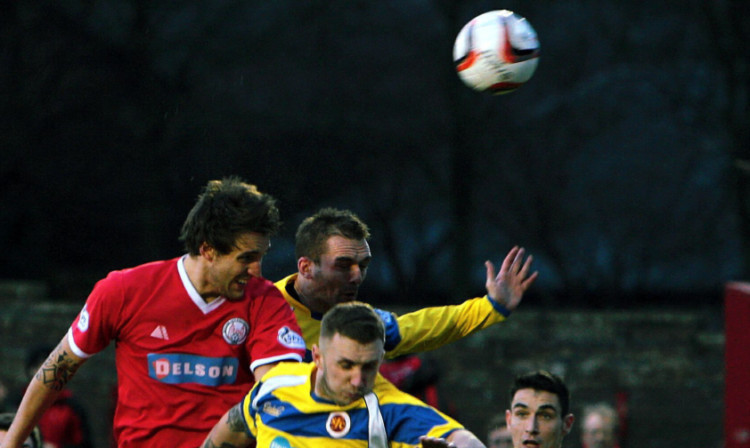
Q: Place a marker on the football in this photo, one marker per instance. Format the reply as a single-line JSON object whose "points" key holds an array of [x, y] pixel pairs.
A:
{"points": [[496, 52]]}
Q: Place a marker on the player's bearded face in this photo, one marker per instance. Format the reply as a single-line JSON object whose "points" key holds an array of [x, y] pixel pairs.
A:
{"points": [[347, 368], [342, 268]]}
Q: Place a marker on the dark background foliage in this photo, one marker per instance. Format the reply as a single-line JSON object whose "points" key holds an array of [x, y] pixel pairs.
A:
{"points": [[621, 165]]}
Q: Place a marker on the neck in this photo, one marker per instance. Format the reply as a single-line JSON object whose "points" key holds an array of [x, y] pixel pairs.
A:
{"points": [[317, 382], [196, 273], [303, 297]]}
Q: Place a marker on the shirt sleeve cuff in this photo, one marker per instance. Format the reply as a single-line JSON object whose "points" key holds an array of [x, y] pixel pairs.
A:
{"points": [[498, 307]]}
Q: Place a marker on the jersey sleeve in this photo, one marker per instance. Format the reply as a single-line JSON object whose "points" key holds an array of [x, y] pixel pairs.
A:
{"points": [[407, 418], [249, 413], [430, 328], [97, 322], [275, 335]]}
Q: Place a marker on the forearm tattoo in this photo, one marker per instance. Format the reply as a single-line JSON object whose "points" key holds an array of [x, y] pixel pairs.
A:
{"points": [[235, 420], [58, 369]]}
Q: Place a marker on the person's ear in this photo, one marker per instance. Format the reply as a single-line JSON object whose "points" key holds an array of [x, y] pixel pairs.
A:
{"points": [[305, 267], [316, 356], [207, 251]]}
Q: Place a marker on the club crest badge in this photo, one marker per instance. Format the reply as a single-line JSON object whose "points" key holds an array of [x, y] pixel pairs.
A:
{"points": [[338, 424], [235, 331]]}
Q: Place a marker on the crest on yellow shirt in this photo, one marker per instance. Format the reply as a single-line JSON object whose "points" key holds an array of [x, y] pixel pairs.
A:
{"points": [[338, 424]]}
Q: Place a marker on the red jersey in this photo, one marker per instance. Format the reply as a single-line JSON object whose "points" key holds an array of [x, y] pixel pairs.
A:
{"points": [[181, 363]]}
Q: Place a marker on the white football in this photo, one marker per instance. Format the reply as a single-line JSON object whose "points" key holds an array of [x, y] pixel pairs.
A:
{"points": [[496, 52]]}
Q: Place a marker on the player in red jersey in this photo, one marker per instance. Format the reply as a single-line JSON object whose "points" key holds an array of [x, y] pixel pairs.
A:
{"points": [[193, 333]]}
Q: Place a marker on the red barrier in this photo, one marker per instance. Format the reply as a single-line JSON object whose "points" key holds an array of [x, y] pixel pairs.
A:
{"points": [[737, 362]]}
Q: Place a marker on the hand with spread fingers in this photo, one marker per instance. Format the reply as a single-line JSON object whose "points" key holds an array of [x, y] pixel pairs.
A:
{"points": [[508, 286]]}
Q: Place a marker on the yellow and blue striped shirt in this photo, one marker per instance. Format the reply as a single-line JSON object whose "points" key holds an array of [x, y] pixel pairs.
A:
{"points": [[283, 411]]}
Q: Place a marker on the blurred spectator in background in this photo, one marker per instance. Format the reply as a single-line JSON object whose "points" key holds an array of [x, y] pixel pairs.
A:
{"points": [[64, 424], [33, 441], [599, 426], [498, 434]]}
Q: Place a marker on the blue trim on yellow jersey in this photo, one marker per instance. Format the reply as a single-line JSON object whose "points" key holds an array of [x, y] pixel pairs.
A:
{"points": [[399, 419], [392, 332], [498, 307], [300, 424], [402, 426]]}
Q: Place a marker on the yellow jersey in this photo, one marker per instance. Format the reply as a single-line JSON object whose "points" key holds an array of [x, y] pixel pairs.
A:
{"points": [[418, 331]]}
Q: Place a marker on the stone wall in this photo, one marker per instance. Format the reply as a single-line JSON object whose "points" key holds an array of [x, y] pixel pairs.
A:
{"points": [[667, 365], [30, 321]]}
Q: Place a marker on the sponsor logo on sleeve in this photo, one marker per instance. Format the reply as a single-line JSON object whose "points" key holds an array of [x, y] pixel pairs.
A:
{"points": [[279, 442], [180, 368], [290, 338], [338, 424], [83, 320], [235, 331], [272, 410]]}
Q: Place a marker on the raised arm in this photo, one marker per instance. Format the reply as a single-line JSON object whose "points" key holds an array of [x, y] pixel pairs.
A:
{"points": [[432, 327], [43, 390], [230, 431]]}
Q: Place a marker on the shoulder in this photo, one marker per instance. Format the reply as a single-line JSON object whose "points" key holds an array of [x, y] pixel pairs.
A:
{"points": [[126, 282], [264, 294], [151, 269], [259, 286], [282, 376], [289, 368], [384, 388]]}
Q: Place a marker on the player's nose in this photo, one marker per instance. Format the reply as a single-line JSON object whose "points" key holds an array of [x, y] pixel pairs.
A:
{"points": [[357, 378], [356, 274], [532, 426]]}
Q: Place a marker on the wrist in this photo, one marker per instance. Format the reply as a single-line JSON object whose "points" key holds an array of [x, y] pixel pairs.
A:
{"points": [[499, 307]]}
